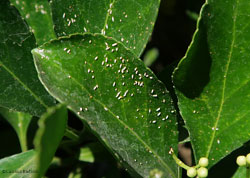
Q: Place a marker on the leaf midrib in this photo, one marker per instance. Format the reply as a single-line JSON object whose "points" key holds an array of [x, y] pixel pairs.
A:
{"points": [[121, 122], [107, 15], [24, 85], [224, 80]]}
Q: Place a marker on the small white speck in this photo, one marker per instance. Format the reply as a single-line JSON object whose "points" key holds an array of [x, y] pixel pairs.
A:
{"points": [[126, 92], [117, 94], [95, 87]]}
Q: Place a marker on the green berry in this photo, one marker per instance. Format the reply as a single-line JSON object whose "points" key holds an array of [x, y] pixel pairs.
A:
{"points": [[241, 160], [203, 162], [248, 158], [202, 172], [191, 172]]}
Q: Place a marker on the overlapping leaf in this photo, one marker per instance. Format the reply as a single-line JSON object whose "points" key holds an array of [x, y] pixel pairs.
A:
{"points": [[20, 122], [19, 165], [130, 22], [212, 81], [20, 88], [121, 100], [52, 126], [37, 13]]}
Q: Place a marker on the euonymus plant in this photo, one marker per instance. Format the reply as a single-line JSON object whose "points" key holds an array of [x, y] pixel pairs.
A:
{"points": [[79, 61]]}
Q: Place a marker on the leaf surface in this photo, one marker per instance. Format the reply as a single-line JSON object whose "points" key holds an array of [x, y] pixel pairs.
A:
{"points": [[113, 91], [240, 173], [20, 88], [52, 126], [15, 166], [20, 122], [37, 13], [212, 80], [130, 22]]}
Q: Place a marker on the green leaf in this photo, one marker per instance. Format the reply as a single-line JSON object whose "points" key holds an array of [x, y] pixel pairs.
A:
{"points": [[86, 155], [19, 165], [20, 89], [212, 80], [37, 13], [51, 130], [20, 122], [76, 173], [240, 173], [113, 91], [130, 22], [151, 56]]}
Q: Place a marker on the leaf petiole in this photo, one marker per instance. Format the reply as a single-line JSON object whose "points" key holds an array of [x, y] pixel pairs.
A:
{"points": [[177, 160], [71, 134]]}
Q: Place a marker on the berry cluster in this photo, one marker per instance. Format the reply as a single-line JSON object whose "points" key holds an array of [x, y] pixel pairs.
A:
{"points": [[243, 160], [202, 170]]}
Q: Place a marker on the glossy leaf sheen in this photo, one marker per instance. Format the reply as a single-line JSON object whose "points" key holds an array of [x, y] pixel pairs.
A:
{"points": [[212, 81], [37, 13], [130, 21], [121, 100], [20, 122], [51, 130], [19, 162], [20, 88]]}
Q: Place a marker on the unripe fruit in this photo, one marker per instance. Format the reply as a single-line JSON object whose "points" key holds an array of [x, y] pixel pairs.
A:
{"points": [[241, 160], [248, 158], [203, 162], [202, 172], [191, 172]]}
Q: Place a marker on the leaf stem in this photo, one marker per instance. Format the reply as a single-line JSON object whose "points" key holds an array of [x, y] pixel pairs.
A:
{"points": [[177, 160], [71, 134], [23, 143], [248, 171]]}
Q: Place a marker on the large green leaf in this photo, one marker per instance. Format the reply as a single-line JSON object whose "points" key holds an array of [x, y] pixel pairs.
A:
{"points": [[20, 87], [240, 173], [19, 165], [52, 126], [130, 21], [20, 122], [212, 80], [121, 100], [38, 15]]}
